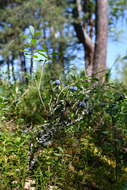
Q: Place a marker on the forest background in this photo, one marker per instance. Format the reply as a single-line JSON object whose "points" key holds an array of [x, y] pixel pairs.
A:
{"points": [[58, 26]]}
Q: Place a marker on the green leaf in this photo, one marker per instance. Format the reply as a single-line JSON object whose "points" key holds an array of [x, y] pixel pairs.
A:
{"points": [[37, 34], [59, 155], [55, 53], [43, 46], [33, 41], [43, 55], [35, 56], [24, 51], [24, 36], [41, 50]]}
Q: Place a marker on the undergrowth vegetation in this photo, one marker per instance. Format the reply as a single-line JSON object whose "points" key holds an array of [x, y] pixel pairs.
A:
{"points": [[68, 134]]}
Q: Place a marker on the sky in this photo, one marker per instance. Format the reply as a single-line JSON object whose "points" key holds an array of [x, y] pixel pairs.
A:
{"points": [[117, 48]]}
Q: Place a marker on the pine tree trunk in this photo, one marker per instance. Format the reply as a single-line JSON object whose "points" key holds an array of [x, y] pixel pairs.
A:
{"points": [[12, 69], [89, 54], [84, 37], [23, 67], [8, 69], [100, 53]]}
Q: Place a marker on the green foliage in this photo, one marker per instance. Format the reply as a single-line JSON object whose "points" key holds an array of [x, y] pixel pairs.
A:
{"points": [[41, 17], [73, 132], [13, 158], [54, 23]]}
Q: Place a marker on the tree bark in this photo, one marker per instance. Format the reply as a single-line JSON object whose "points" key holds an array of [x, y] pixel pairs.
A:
{"points": [[23, 67], [95, 53], [84, 38], [8, 68], [100, 53], [12, 68]]}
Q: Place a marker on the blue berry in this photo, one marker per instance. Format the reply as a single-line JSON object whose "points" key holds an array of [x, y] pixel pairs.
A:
{"points": [[82, 104], [57, 82], [73, 88]]}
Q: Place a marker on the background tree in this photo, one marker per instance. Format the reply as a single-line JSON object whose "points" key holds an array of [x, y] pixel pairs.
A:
{"points": [[100, 53], [17, 16], [60, 34]]}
